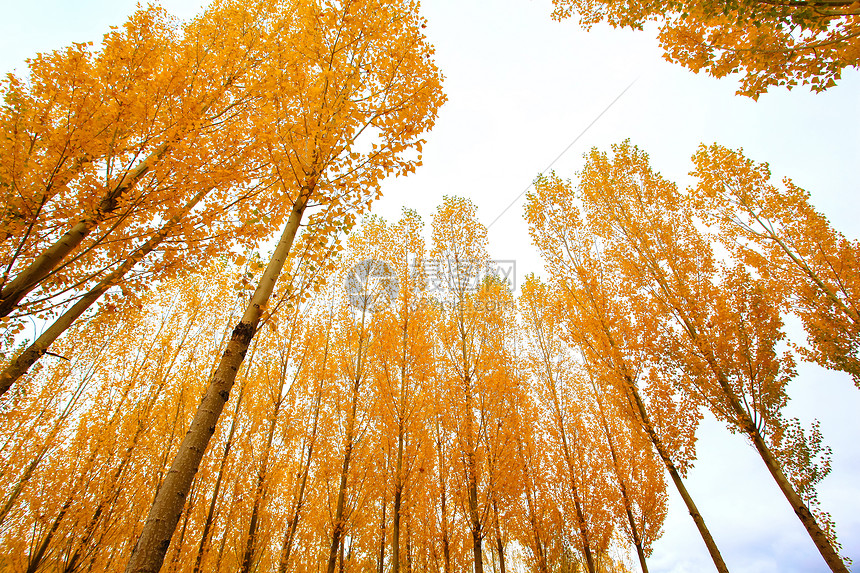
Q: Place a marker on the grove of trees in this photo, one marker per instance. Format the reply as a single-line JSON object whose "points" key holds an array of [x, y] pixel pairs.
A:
{"points": [[239, 368]]}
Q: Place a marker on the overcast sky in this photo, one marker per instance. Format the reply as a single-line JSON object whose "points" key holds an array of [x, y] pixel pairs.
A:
{"points": [[520, 89]]}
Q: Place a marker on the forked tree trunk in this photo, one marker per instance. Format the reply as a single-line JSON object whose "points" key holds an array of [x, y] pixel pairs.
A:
{"points": [[148, 553], [55, 183], [29, 278]]}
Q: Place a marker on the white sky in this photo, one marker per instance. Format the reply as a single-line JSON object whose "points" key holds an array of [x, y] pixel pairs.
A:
{"points": [[521, 87]]}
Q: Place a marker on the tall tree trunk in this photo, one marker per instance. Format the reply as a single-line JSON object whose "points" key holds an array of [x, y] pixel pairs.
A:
{"points": [[340, 513], [340, 567], [500, 546], [294, 521], [443, 502], [819, 537], [223, 543], [408, 545], [678, 305], [472, 484], [398, 501], [539, 549], [43, 451], [634, 531], [639, 407], [210, 514], [477, 533], [637, 540], [580, 516], [558, 414], [380, 562], [167, 447], [37, 556], [110, 498], [401, 437], [746, 425], [22, 363], [259, 494], [290, 535], [186, 514], [148, 553], [713, 550], [303, 480], [228, 444]]}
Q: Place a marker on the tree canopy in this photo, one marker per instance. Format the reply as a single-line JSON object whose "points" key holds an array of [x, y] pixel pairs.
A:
{"points": [[237, 366], [769, 43]]}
